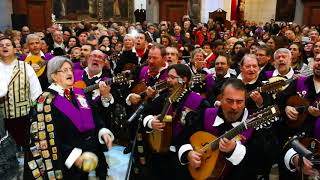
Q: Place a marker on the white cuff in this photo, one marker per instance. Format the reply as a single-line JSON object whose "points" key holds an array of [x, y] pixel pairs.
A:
{"points": [[288, 159], [147, 121], [104, 131], [73, 156], [106, 101], [238, 154], [127, 99], [183, 149]]}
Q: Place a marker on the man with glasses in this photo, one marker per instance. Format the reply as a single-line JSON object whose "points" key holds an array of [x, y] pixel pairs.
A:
{"points": [[264, 57], [165, 165], [68, 135]]}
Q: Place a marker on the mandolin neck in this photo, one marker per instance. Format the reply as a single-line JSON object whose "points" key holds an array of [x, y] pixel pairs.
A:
{"points": [[229, 135], [96, 86]]}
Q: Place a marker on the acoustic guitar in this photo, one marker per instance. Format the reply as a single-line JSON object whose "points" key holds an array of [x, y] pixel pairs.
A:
{"points": [[213, 164], [33, 59], [119, 79], [301, 105], [160, 141]]}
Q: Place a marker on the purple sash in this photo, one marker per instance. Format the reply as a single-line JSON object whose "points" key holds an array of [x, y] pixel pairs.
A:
{"points": [[210, 116], [77, 74], [268, 74], [82, 117], [193, 101], [143, 76], [210, 82]]}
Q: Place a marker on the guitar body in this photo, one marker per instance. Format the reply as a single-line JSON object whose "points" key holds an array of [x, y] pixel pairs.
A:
{"points": [[303, 104], [160, 141], [213, 162], [37, 60]]}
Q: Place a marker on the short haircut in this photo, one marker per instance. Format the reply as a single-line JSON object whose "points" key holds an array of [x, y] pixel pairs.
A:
{"points": [[55, 64], [248, 56], [282, 50], [5, 37], [268, 50], [173, 50], [197, 50], [160, 47], [32, 36], [224, 54], [235, 83], [182, 70]]}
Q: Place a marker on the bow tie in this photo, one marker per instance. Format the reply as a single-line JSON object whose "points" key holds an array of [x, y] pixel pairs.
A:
{"points": [[67, 94]]}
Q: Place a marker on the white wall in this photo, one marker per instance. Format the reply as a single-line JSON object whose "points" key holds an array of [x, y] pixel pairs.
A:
{"points": [[209, 6], [260, 10], [298, 18], [152, 11], [6, 11]]}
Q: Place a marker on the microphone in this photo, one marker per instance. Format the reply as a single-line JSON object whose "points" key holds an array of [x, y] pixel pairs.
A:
{"points": [[299, 148], [137, 112]]}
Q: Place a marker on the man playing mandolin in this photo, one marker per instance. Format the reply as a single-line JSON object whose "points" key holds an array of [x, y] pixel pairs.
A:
{"points": [[307, 88], [178, 103], [217, 121]]}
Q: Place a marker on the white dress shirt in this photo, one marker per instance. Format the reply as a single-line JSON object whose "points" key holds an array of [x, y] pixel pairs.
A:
{"points": [[5, 77]]}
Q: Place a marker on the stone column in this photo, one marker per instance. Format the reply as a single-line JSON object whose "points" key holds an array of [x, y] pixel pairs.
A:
{"points": [[152, 11]]}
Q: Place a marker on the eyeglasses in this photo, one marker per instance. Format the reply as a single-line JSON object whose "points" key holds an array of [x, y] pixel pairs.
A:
{"points": [[66, 70], [172, 76], [97, 56]]}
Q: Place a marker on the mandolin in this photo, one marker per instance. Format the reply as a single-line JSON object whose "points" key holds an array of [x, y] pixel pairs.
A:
{"points": [[160, 141], [213, 163], [119, 79], [33, 59], [301, 105]]}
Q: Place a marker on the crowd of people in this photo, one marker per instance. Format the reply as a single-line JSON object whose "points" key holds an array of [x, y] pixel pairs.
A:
{"points": [[66, 95]]}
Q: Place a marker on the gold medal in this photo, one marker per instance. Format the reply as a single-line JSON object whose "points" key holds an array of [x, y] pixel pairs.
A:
{"points": [[139, 138], [47, 108], [45, 154], [49, 100], [58, 174], [51, 175], [43, 144], [37, 144], [48, 118], [54, 156], [42, 135], [36, 173], [34, 127], [50, 127], [48, 164], [142, 160], [45, 94], [40, 107], [41, 126], [32, 164], [40, 117], [51, 135], [54, 149], [35, 152], [140, 149], [51, 141]]}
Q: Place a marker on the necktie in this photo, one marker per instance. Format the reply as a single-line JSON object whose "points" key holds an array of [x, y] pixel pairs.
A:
{"points": [[67, 94]]}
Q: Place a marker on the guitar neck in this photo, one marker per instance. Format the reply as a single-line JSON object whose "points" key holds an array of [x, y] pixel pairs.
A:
{"points": [[96, 86], [156, 87], [42, 63], [229, 135], [164, 110]]}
